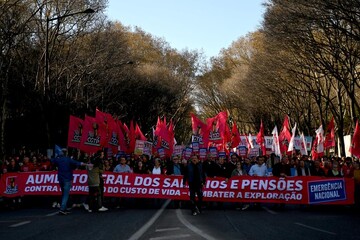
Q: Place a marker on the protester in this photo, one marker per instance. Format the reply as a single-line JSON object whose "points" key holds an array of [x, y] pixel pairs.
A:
{"points": [[247, 165], [157, 167], [65, 176], [140, 169], [282, 169], [13, 166], [347, 168], [107, 166], [95, 171], [231, 164], [334, 171], [302, 169], [209, 166], [238, 171], [175, 168], [147, 165], [222, 169], [195, 177], [259, 169], [357, 184], [122, 167], [316, 169], [26, 166]]}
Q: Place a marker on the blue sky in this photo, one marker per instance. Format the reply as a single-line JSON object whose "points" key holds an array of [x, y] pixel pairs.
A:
{"points": [[207, 25]]}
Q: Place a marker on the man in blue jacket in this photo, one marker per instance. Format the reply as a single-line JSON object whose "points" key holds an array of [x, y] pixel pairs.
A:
{"points": [[65, 167], [195, 177]]}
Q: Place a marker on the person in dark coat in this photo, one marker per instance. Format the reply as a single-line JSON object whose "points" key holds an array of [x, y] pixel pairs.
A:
{"points": [[282, 169], [316, 169], [195, 177]]}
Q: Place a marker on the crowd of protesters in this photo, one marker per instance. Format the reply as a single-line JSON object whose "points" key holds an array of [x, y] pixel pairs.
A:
{"points": [[234, 165]]}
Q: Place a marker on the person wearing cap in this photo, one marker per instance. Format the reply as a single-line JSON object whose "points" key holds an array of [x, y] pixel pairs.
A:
{"points": [[65, 166]]}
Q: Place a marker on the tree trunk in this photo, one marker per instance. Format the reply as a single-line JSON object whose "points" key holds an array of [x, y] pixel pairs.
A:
{"points": [[2, 129]]}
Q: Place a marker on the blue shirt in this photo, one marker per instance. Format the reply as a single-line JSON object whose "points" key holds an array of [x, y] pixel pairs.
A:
{"points": [[177, 170], [257, 170], [122, 168], [65, 170]]}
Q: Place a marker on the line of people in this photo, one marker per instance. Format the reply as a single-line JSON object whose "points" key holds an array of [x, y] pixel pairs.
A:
{"points": [[210, 167]]}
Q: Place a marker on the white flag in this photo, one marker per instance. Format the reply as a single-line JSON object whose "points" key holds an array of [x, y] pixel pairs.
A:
{"points": [[276, 144], [250, 141], [291, 143], [303, 148], [320, 139]]}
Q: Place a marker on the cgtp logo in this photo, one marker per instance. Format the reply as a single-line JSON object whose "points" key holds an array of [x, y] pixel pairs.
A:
{"points": [[11, 185]]}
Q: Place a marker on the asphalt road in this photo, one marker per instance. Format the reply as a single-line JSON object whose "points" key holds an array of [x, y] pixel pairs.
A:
{"points": [[165, 222]]}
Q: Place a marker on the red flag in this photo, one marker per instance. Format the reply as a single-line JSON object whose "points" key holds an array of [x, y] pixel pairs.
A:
{"points": [[260, 139], [132, 141], [285, 136], [115, 136], [171, 138], [104, 118], [199, 131], [330, 135], [94, 135], [235, 136], [122, 140], [75, 131], [162, 135], [318, 145], [355, 141], [217, 127], [156, 138], [138, 133], [127, 137]]}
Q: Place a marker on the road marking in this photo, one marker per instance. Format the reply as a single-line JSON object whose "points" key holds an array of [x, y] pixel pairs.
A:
{"points": [[269, 211], [146, 226], [192, 227], [20, 224], [232, 224], [167, 229], [316, 229], [52, 214], [171, 237]]}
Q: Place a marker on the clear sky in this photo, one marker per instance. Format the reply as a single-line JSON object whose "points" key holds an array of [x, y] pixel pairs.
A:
{"points": [[207, 25]]}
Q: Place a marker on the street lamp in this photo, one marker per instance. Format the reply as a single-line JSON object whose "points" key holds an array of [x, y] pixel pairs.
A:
{"points": [[48, 20]]}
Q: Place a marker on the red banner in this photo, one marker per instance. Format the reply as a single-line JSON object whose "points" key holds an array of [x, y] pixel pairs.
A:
{"points": [[292, 190]]}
